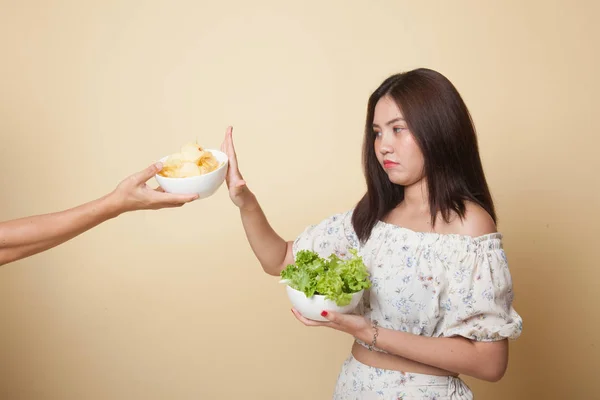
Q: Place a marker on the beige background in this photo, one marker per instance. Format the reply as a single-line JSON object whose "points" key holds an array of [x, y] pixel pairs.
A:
{"points": [[172, 304]]}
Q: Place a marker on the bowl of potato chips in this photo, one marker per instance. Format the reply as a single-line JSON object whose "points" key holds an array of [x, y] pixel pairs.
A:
{"points": [[193, 170]]}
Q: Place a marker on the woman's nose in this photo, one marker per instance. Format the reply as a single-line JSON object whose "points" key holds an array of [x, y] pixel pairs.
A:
{"points": [[386, 147]]}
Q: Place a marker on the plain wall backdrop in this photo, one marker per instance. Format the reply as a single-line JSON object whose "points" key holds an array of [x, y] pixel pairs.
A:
{"points": [[172, 304]]}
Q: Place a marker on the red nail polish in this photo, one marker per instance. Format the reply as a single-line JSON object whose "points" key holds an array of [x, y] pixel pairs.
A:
{"points": [[324, 313]]}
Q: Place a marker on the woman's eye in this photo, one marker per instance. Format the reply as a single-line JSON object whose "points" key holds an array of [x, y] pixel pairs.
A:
{"points": [[398, 129], [377, 134]]}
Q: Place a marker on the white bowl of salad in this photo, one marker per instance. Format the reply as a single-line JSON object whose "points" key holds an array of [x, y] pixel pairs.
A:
{"points": [[316, 284]]}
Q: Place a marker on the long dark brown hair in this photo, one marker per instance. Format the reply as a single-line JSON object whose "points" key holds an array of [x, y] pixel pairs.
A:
{"points": [[442, 126]]}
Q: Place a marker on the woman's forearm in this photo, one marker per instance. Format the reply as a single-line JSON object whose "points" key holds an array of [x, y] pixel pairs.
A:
{"points": [[482, 360], [271, 250], [24, 237]]}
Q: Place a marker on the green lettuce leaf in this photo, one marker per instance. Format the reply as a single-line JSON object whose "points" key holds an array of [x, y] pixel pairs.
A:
{"points": [[333, 277]]}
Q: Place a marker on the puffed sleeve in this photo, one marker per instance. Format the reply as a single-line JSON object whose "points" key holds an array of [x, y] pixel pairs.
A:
{"points": [[478, 304], [332, 235]]}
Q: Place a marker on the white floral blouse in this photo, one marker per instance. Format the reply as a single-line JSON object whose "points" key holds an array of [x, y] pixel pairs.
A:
{"points": [[426, 283]]}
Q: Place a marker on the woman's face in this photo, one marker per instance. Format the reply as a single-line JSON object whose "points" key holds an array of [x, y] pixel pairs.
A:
{"points": [[395, 146]]}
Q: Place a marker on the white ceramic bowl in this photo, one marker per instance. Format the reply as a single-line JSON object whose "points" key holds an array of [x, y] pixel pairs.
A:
{"points": [[311, 307], [204, 185]]}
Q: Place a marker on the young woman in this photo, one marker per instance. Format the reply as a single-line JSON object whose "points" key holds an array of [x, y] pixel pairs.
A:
{"points": [[441, 300]]}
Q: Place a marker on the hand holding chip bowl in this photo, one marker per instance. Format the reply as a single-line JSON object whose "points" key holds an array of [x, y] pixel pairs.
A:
{"points": [[194, 170]]}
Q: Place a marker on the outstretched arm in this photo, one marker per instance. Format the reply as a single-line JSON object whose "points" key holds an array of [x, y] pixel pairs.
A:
{"points": [[271, 250], [27, 236]]}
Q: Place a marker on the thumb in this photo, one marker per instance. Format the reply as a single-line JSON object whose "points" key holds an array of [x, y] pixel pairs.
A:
{"points": [[147, 173], [333, 317]]}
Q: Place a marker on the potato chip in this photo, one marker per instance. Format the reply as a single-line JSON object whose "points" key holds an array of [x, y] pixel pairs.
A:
{"points": [[169, 171], [192, 160], [175, 159], [191, 148], [188, 169]]}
